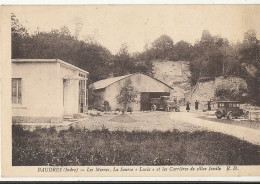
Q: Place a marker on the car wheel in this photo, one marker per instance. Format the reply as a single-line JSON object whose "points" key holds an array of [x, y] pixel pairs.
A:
{"points": [[153, 107], [219, 117], [230, 116], [219, 114], [167, 108]]}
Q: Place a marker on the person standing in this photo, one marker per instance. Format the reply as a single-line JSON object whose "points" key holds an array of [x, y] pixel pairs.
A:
{"points": [[209, 105], [188, 106], [196, 105]]}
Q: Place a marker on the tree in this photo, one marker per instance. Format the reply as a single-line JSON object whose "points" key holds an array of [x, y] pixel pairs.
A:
{"points": [[210, 54], [182, 51], [19, 37], [64, 30], [162, 48], [249, 49], [123, 62], [127, 95]]}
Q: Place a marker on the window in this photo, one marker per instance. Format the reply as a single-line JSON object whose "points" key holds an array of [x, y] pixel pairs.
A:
{"points": [[221, 104], [236, 105], [17, 91]]}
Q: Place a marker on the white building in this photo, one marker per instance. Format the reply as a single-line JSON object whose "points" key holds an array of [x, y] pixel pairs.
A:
{"points": [[44, 90]]}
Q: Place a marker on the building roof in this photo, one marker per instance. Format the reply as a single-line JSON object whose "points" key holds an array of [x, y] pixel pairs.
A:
{"points": [[107, 82], [49, 61]]}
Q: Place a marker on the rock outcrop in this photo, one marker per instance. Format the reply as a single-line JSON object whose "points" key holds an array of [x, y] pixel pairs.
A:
{"points": [[206, 90], [174, 73]]}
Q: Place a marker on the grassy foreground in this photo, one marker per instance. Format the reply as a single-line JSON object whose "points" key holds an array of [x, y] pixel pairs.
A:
{"points": [[103, 147]]}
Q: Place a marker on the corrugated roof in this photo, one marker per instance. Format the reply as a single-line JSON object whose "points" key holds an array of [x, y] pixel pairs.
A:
{"points": [[106, 82]]}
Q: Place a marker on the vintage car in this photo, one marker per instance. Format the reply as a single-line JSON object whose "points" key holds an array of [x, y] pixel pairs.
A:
{"points": [[230, 109], [165, 103]]}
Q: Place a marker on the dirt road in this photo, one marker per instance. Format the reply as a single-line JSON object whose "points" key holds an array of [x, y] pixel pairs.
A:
{"points": [[248, 134], [145, 121], [167, 121]]}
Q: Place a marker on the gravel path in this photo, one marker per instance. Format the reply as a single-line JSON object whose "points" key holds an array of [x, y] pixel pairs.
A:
{"points": [[144, 121], [249, 134], [167, 121]]}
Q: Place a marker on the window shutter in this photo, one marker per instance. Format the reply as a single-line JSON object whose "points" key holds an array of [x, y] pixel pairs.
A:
{"points": [[19, 91], [14, 90]]}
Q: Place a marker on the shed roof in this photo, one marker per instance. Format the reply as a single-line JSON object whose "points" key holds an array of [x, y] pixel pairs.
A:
{"points": [[48, 61], [107, 82]]}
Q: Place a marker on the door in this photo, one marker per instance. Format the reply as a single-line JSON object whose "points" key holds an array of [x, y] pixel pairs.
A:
{"points": [[145, 101]]}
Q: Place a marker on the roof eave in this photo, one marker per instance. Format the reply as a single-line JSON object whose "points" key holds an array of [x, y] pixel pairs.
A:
{"points": [[71, 66], [49, 61]]}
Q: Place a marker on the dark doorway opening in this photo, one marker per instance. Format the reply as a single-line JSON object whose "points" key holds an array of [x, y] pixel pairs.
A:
{"points": [[145, 99]]}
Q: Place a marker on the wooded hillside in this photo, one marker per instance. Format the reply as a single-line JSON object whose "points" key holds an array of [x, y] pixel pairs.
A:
{"points": [[211, 56]]}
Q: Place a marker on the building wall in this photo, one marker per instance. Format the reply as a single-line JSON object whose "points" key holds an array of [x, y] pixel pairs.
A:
{"points": [[40, 90], [141, 83]]}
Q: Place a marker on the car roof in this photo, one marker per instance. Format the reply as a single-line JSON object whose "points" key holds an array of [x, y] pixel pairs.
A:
{"points": [[228, 101]]}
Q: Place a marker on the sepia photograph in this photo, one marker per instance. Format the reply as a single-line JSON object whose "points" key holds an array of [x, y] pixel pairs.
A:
{"points": [[135, 85]]}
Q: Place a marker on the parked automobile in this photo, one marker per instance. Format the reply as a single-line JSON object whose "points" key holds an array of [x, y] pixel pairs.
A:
{"points": [[165, 103], [230, 110]]}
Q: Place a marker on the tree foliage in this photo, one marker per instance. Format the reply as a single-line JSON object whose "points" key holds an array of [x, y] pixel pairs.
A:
{"points": [[162, 47], [19, 37], [123, 62], [127, 94]]}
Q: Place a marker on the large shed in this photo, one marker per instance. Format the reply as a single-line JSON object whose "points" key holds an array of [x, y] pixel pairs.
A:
{"points": [[147, 87]]}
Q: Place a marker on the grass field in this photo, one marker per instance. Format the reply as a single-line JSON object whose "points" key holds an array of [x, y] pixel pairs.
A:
{"points": [[103, 147]]}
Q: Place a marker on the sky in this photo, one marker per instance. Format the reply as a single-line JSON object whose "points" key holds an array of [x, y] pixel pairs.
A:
{"points": [[136, 25]]}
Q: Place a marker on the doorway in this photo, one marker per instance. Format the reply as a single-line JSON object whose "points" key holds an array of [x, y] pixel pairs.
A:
{"points": [[146, 96]]}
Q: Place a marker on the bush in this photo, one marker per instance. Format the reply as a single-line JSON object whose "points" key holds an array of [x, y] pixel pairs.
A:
{"points": [[106, 103], [18, 130], [129, 109], [71, 129], [52, 130]]}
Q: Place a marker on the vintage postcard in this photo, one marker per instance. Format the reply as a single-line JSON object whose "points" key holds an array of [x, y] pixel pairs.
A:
{"points": [[130, 91]]}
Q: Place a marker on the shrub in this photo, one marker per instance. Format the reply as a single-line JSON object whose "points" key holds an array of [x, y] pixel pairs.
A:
{"points": [[104, 128], [129, 109], [52, 130], [106, 103], [103, 147], [71, 129], [18, 130]]}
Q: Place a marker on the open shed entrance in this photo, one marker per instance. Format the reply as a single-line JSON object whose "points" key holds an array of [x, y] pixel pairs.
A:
{"points": [[145, 99]]}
